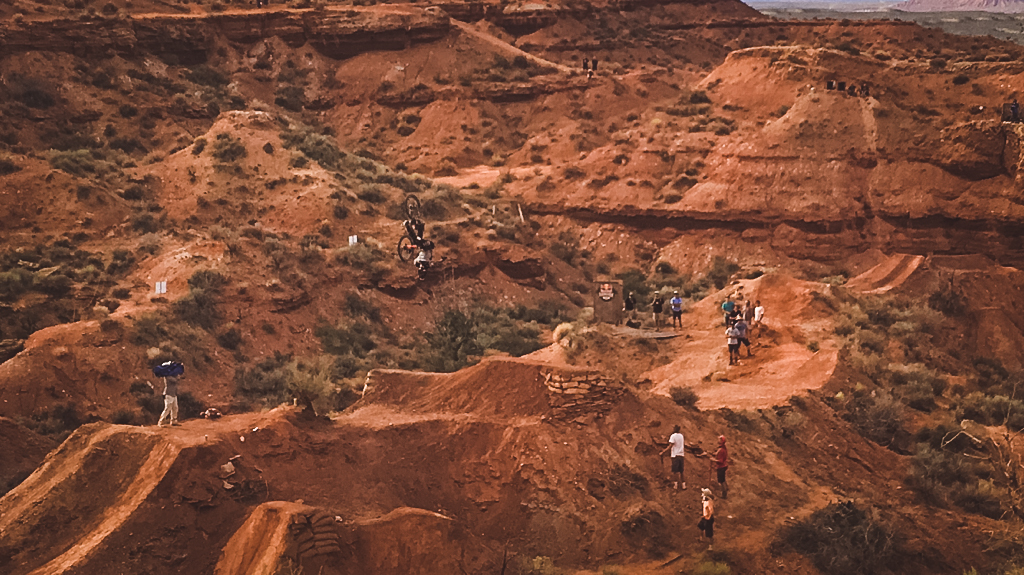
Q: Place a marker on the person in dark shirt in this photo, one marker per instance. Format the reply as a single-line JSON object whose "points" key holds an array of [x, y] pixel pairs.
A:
{"points": [[657, 306]]}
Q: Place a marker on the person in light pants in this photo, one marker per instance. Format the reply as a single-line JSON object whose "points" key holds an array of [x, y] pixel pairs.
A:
{"points": [[170, 400]]}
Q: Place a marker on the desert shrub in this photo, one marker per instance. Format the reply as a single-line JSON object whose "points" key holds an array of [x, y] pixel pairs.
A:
{"points": [[979, 497], [127, 145], [878, 418], [711, 568], [230, 338], [721, 270], [843, 539], [647, 530], [991, 375], [34, 94], [267, 380], [312, 384], [549, 312], [991, 410], [684, 396], [363, 255], [960, 80], [15, 282], [699, 97], [538, 566], [227, 149], [497, 329], [371, 193], [127, 111], [356, 306], [207, 76], [566, 248], [451, 342], [948, 301], [291, 98], [125, 417], [317, 147], [198, 308], [59, 420], [8, 167], [198, 145], [354, 338], [209, 280], [56, 284], [79, 162], [145, 223]]}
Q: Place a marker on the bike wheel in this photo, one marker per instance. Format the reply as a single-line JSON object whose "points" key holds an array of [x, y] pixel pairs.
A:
{"points": [[412, 207], [406, 249]]}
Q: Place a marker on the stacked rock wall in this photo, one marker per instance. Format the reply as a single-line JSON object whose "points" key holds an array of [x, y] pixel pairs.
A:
{"points": [[577, 392]]}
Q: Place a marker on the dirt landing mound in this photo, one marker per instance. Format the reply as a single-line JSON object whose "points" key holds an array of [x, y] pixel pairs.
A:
{"points": [[792, 350]]}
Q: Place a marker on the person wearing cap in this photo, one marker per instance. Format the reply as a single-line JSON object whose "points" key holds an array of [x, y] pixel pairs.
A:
{"points": [[707, 520], [657, 307], [722, 465], [676, 303]]}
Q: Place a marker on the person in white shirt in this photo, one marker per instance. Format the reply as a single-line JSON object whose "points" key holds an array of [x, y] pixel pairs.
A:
{"points": [[758, 312], [677, 447]]}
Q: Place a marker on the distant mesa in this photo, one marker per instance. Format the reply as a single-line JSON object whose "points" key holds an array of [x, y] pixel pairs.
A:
{"points": [[1006, 6]]}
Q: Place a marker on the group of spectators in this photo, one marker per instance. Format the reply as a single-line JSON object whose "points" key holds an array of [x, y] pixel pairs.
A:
{"points": [[719, 462], [740, 322]]}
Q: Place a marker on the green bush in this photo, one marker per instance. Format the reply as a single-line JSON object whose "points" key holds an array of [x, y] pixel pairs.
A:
{"points": [[878, 418], [450, 343], [57, 285], [267, 380], [206, 76], [198, 308], [227, 149], [371, 193], [81, 162], [711, 568], [317, 147], [230, 338], [991, 410], [352, 339], [14, 283], [843, 539], [209, 280], [566, 248], [683, 396]]}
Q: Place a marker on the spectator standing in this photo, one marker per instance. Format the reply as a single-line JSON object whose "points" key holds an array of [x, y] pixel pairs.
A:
{"points": [[722, 465], [728, 306], [677, 447], [657, 306], [733, 341], [629, 304], [748, 312], [741, 328], [758, 313], [707, 520], [1015, 111], [676, 304], [170, 412]]}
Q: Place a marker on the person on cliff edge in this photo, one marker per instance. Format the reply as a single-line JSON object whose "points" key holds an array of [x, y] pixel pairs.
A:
{"points": [[677, 448]]}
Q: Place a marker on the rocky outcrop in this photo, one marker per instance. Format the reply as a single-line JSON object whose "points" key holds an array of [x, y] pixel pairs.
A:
{"points": [[336, 33], [972, 150]]}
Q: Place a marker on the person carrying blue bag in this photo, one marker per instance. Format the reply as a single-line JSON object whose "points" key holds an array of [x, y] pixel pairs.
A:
{"points": [[172, 372]]}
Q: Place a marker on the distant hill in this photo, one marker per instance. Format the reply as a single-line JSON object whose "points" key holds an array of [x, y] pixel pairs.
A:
{"points": [[1006, 6]]}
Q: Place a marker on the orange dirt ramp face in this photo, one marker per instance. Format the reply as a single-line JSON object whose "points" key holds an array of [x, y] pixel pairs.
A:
{"points": [[81, 488]]}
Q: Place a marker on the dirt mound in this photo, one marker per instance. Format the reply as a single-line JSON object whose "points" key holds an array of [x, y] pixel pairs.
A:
{"points": [[22, 450], [494, 387], [785, 362]]}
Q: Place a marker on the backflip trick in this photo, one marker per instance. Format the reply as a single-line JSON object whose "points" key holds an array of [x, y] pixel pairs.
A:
{"points": [[413, 241]]}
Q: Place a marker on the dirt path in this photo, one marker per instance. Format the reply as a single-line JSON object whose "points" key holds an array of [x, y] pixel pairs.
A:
{"points": [[792, 352], [509, 50]]}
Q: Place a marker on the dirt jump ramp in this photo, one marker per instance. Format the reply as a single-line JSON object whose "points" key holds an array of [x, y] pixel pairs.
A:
{"points": [[90, 486], [887, 275]]}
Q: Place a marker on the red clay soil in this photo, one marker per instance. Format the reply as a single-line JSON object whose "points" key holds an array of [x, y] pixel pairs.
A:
{"points": [[21, 450], [486, 473]]}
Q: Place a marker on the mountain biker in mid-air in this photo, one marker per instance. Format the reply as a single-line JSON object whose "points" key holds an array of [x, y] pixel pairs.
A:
{"points": [[424, 258], [414, 228]]}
